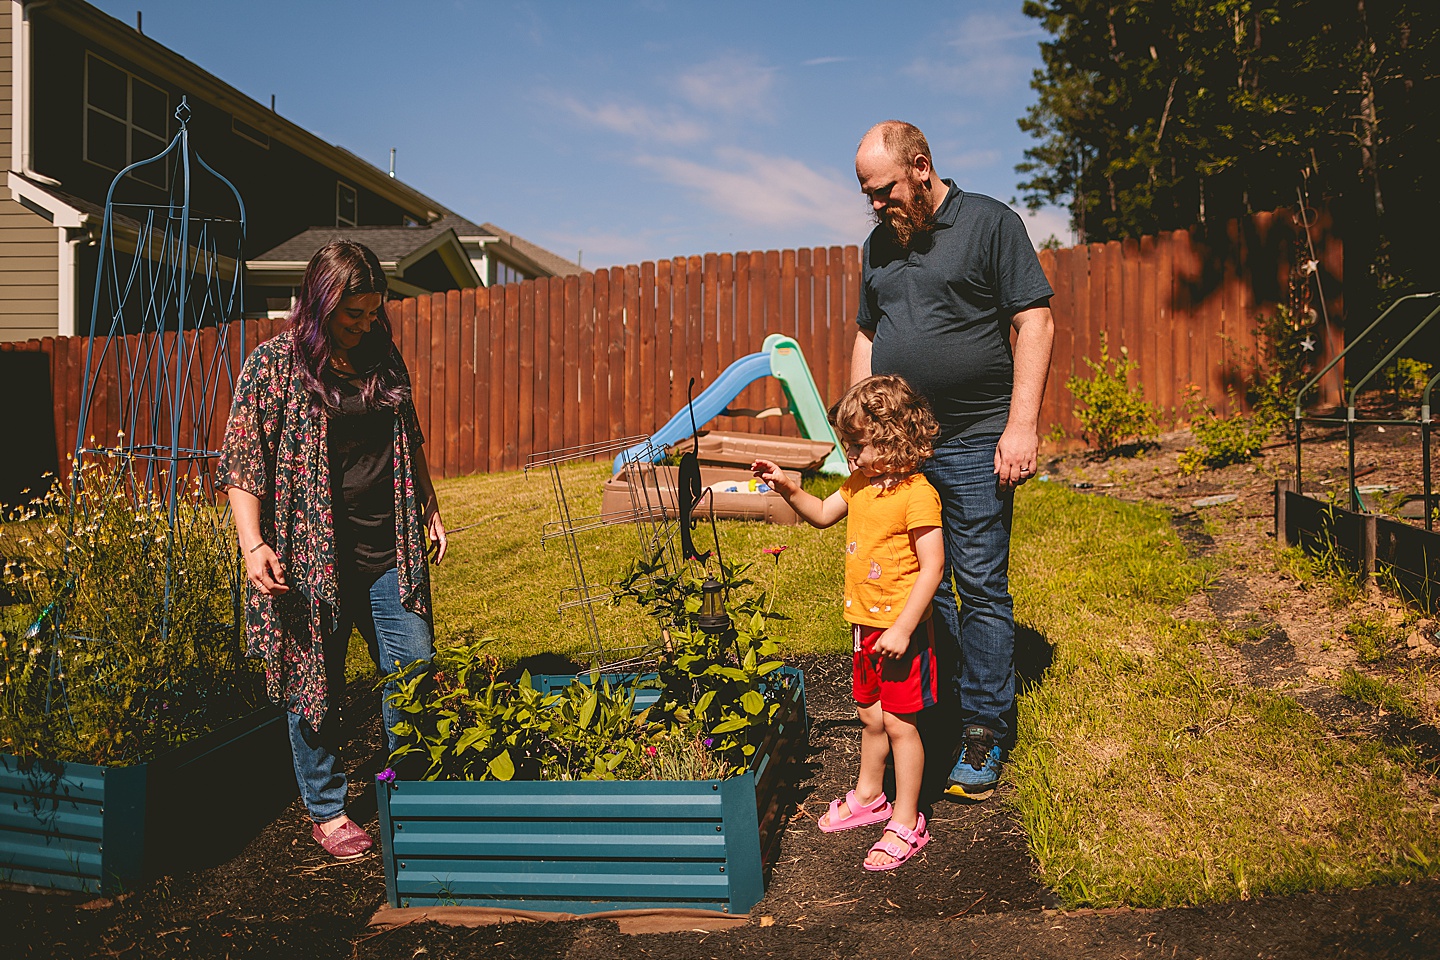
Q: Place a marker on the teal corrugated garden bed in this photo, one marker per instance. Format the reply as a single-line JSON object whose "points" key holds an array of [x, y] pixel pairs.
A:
{"points": [[97, 829], [585, 846]]}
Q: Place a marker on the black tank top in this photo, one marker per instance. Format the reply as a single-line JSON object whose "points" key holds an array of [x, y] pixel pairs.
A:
{"points": [[362, 481]]}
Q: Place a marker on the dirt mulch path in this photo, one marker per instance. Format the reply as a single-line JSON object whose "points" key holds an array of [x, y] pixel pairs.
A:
{"points": [[972, 890]]}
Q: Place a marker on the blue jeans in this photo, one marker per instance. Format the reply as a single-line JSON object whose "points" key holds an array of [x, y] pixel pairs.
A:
{"points": [[394, 635], [981, 632]]}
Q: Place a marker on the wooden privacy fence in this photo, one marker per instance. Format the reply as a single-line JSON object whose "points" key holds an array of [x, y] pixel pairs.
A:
{"points": [[503, 372]]}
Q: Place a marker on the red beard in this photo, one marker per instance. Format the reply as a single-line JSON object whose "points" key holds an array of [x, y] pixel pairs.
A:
{"points": [[909, 219]]}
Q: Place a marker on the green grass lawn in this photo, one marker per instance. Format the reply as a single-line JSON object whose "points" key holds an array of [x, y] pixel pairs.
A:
{"points": [[499, 580], [1142, 775]]}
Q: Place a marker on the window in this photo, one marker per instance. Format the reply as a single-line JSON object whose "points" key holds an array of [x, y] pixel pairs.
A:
{"points": [[345, 205], [502, 273], [242, 129], [126, 120]]}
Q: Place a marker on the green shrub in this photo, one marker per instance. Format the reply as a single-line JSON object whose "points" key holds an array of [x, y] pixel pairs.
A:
{"points": [[1111, 412], [468, 724], [1406, 379], [111, 667], [1283, 364], [1219, 441]]}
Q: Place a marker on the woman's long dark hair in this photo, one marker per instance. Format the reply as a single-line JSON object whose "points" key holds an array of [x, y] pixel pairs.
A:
{"points": [[340, 269]]}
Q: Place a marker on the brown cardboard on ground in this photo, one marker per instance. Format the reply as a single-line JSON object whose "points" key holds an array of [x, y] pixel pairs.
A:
{"points": [[629, 921]]}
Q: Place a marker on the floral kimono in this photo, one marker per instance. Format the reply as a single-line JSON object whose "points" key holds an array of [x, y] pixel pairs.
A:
{"points": [[275, 448]]}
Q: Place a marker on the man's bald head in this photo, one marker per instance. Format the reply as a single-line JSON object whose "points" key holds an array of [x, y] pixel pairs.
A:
{"points": [[902, 141], [893, 166]]}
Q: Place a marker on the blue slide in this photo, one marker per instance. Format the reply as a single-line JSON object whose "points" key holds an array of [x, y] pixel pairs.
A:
{"points": [[781, 358]]}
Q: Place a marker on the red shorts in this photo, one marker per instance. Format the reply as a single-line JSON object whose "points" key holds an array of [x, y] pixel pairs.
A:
{"points": [[905, 684]]}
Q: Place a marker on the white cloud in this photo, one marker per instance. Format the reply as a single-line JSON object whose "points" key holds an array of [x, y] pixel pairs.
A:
{"points": [[772, 192], [819, 61], [1047, 222], [729, 84], [988, 54], [984, 29], [634, 120]]}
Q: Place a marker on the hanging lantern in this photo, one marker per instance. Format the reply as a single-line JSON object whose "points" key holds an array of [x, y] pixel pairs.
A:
{"points": [[713, 618]]}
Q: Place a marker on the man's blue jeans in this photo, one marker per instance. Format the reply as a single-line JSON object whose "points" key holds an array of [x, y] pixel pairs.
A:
{"points": [[977, 553], [396, 636]]}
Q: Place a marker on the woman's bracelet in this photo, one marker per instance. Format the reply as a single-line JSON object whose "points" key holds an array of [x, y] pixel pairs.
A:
{"points": [[256, 547]]}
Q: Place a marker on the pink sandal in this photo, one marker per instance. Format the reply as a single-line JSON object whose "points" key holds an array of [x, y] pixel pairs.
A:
{"points": [[913, 841], [861, 815]]}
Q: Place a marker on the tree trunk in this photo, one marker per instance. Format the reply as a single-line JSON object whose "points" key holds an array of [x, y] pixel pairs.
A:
{"points": [[1369, 121]]}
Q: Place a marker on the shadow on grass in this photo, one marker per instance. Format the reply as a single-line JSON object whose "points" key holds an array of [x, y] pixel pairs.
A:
{"points": [[941, 726]]}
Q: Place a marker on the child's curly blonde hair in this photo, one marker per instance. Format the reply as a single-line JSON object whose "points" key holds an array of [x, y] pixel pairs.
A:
{"points": [[885, 412]]}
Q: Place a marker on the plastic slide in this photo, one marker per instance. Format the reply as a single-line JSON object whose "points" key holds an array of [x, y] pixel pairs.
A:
{"points": [[779, 357]]}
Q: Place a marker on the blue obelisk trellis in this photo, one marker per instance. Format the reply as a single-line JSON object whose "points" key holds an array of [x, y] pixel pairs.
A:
{"points": [[169, 316]]}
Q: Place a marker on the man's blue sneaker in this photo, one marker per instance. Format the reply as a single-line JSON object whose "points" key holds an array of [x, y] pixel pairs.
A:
{"points": [[977, 771]]}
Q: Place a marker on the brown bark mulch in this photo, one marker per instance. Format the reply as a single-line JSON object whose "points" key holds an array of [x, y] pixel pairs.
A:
{"points": [[971, 891]]}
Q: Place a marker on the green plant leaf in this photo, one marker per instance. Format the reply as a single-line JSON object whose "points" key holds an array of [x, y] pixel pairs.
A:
{"points": [[501, 767], [752, 701], [731, 725], [473, 736]]}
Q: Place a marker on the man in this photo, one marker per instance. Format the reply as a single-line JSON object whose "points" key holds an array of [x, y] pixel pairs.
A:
{"points": [[946, 275]]}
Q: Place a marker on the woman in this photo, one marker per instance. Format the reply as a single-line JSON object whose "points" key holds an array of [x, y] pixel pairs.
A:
{"points": [[332, 502]]}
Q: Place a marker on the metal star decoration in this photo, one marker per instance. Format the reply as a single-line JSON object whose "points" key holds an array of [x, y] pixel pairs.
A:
{"points": [[1308, 343]]}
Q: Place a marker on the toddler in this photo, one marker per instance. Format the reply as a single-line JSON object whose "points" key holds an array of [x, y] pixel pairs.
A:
{"points": [[894, 555]]}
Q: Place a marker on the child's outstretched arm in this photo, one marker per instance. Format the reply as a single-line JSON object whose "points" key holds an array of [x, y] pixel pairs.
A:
{"points": [[930, 551], [813, 510]]}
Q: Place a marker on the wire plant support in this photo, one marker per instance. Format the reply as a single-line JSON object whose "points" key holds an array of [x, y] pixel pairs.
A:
{"points": [[654, 522], [167, 317]]}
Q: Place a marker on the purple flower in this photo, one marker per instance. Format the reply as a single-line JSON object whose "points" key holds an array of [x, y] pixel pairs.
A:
{"points": [[709, 741], [386, 776]]}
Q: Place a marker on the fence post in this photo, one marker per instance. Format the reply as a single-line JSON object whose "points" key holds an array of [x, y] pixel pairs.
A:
{"points": [[1367, 548], [1282, 535]]}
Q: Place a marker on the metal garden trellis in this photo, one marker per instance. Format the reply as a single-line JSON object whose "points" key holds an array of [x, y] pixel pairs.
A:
{"points": [[165, 316]]}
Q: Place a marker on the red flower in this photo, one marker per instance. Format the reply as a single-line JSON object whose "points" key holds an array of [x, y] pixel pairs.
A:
{"points": [[776, 551]]}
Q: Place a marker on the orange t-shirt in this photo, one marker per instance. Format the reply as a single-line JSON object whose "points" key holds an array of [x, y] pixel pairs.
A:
{"points": [[880, 562]]}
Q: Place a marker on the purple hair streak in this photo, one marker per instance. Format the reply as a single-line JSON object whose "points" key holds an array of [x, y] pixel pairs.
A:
{"points": [[340, 269]]}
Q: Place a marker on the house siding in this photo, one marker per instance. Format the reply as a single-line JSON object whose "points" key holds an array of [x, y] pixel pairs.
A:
{"points": [[29, 252], [284, 191]]}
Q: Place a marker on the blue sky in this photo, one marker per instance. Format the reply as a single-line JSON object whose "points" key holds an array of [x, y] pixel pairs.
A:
{"points": [[633, 130]]}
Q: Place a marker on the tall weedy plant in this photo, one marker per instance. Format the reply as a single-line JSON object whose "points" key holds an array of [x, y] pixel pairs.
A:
{"points": [[89, 674]]}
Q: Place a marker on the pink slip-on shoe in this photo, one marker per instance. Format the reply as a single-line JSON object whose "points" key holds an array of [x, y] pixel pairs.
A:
{"points": [[906, 847], [347, 842], [861, 815]]}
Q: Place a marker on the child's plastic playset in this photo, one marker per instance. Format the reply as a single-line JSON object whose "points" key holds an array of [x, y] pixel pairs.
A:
{"points": [[725, 458]]}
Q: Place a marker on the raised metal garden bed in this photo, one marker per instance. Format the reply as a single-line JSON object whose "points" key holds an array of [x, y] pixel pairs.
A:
{"points": [[585, 846], [97, 829], [1368, 544]]}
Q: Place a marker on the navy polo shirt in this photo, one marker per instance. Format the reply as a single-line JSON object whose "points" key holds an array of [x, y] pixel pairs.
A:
{"points": [[941, 310]]}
